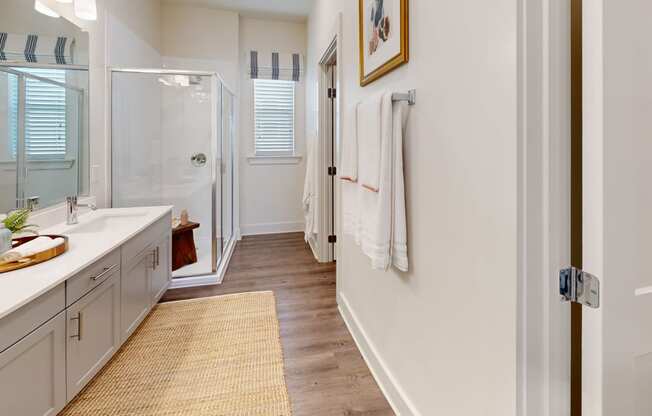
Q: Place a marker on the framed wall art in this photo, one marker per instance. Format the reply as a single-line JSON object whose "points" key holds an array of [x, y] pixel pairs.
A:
{"points": [[383, 32]]}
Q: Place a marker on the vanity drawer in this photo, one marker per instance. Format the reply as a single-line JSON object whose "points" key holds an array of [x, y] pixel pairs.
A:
{"points": [[23, 321], [92, 276], [146, 238]]}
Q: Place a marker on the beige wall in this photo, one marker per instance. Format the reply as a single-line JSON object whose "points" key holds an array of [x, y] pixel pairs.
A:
{"points": [[441, 338], [270, 195]]}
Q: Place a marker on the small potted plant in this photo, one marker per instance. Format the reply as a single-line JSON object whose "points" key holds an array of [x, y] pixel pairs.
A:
{"points": [[16, 222]]}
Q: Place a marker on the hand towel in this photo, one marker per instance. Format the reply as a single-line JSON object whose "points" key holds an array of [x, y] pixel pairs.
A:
{"points": [[349, 154], [29, 249], [371, 114]]}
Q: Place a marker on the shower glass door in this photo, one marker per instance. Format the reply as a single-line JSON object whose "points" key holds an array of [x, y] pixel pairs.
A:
{"points": [[164, 144]]}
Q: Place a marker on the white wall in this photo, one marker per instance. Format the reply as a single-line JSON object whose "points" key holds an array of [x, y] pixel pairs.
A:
{"points": [[441, 338], [201, 39], [270, 195]]}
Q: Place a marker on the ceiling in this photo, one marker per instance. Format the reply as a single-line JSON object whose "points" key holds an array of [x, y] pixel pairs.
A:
{"points": [[297, 10]]}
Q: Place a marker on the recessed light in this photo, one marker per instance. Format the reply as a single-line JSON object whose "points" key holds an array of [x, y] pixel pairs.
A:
{"points": [[86, 9]]}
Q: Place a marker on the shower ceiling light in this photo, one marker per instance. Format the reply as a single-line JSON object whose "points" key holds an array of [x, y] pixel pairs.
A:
{"points": [[42, 8], [86, 9]]}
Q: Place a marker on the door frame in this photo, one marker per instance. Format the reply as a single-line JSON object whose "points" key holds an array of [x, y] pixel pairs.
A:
{"points": [[544, 219], [331, 51]]}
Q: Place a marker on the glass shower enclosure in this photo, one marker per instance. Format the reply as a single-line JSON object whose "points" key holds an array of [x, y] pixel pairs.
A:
{"points": [[172, 143]]}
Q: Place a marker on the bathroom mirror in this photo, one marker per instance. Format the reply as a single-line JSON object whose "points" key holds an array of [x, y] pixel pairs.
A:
{"points": [[44, 101]]}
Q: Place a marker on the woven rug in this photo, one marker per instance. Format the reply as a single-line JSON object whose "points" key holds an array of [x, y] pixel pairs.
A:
{"points": [[212, 356]]}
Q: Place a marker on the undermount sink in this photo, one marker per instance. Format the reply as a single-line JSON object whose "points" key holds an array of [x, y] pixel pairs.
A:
{"points": [[105, 222]]}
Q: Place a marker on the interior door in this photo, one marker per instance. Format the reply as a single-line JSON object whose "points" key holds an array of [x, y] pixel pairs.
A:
{"points": [[617, 207]]}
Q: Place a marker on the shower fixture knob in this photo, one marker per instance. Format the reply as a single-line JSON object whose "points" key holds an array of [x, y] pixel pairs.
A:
{"points": [[198, 159]]}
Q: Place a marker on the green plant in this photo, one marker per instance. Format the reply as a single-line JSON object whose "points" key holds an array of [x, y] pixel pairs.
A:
{"points": [[16, 222]]}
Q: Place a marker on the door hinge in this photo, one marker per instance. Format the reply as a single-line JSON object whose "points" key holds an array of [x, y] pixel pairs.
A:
{"points": [[332, 93], [332, 171], [332, 239], [578, 286]]}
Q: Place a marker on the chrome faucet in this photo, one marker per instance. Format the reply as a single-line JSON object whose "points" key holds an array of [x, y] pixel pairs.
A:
{"points": [[72, 208]]}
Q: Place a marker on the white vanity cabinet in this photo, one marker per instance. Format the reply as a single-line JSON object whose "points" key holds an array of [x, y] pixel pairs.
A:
{"points": [[52, 346], [33, 372], [146, 273], [136, 276], [93, 333], [162, 273]]}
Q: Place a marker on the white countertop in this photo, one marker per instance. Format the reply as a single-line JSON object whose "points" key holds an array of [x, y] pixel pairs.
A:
{"points": [[20, 287]]}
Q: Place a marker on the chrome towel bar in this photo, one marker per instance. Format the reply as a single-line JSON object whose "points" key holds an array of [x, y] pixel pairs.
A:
{"points": [[410, 97]]}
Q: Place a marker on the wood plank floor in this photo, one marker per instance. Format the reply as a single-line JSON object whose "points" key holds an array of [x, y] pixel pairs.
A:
{"points": [[325, 372]]}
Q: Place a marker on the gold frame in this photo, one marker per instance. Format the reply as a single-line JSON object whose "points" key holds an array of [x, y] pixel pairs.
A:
{"points": [[399, 59]]}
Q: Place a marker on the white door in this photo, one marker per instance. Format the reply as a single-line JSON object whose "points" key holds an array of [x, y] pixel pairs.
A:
{"points": [[617, 207]]}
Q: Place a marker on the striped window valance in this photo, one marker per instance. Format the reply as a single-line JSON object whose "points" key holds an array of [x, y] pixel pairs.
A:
{"points": [[36, 49], [275, 65]]}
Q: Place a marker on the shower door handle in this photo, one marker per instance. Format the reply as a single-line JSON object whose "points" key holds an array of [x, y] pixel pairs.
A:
{"points": [[198, 159]]}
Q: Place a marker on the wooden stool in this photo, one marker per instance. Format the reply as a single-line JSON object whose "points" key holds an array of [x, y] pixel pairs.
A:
{"points": [[183, 245]]}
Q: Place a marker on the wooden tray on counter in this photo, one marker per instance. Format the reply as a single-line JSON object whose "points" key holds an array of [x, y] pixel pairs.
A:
{"points": [[38, 257]]}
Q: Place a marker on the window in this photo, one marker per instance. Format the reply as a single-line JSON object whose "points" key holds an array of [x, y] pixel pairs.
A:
{"points": [[274, 117], [45, 115]]}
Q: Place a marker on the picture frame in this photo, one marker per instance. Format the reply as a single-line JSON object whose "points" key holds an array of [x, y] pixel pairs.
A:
{"points": [[383, 32]]}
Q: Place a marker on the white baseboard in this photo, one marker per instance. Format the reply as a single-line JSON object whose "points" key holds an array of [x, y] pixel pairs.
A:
{"points": [[272, 228], [193, 281], [386, 381]]}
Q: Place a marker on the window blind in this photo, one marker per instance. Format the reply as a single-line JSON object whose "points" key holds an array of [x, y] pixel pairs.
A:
{"points": [[274, 117], [45, 115]]}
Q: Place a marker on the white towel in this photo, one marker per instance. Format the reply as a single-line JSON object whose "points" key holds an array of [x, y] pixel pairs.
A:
{"points": [[399, 225], [371, 114], [382, 227], [349, 154], [309, 201], [31, 248]]}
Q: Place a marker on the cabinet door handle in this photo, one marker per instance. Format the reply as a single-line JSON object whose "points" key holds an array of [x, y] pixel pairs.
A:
{"points": [[158, 258], [78, 318], [153, 254], [106, 271]]}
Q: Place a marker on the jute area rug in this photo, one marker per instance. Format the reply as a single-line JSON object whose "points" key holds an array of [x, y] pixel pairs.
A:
{"points": [[212, 356]]}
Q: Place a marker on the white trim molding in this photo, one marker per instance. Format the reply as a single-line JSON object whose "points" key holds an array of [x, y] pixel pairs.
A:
{"points": [[272, 228], [388, 384], [274, 160]]}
